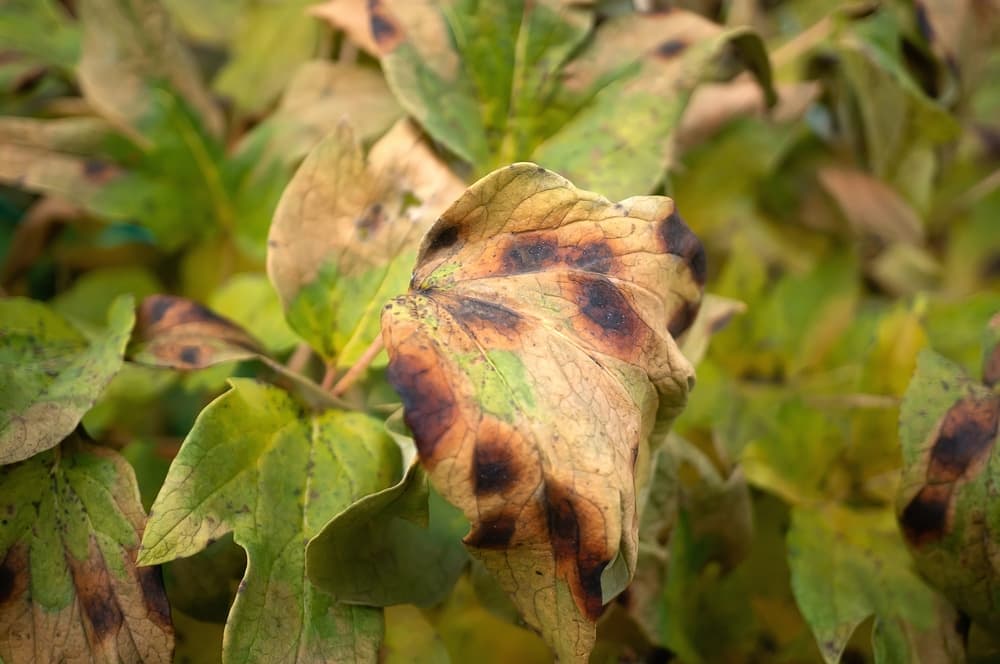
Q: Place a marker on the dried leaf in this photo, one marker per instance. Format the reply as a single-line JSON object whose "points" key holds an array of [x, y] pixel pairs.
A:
{"points": [[872, 206], [68, 541], [51, 374], [534, 357]]}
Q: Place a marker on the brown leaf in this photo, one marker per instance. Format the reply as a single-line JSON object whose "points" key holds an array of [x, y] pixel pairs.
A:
{"points": [[534, 356], [350, 17], [872, 206]]}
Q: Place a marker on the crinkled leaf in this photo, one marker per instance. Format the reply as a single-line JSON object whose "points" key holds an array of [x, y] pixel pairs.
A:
{"points": [[344, 236], [534, 356], [272, 39], [848, 565], [256, 465], [50, 374], [391, 547], [948, 505], [68, 540]]}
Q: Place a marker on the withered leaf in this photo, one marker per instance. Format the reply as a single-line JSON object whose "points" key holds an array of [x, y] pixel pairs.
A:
{"points": [[70, 590], [534, 355]]}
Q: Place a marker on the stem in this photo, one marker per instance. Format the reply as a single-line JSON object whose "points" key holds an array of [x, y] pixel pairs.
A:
{"points": [[297, 362], [359, 367], [331, 373]]}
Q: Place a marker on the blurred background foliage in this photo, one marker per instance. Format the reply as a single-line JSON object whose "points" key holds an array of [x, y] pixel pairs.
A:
{"points": [[843, 173]]}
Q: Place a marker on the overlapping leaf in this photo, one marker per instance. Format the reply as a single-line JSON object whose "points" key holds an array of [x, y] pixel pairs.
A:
{"points": [[68, 540], [258, 466], [51, 374], [344, 236], [948, 505], [534, 356]]}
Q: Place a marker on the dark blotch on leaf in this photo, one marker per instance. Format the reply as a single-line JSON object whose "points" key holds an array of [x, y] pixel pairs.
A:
{"points": [[8, 575], [156, 306], [602, 303], [670, 48], [991, 367], [567, 536], [154, 595], [678, 240], [493, 467], [428, 404], [594, 257], [925, 517], [384, 31], [190, 355], [472, 311], [492, 533], [529, 254], [442, 238], [683, 318], [967, 434], [102, 612]]}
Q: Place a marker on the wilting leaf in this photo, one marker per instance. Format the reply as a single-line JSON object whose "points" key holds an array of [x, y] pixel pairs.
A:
{"points": [[50, 374], [948, 504], [534, 356], [848, 565], [68, 539], [256, 465], [344, 236], [391, 547]]}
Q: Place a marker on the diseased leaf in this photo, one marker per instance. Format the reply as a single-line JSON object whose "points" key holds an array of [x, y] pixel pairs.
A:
{"points": [[256, 465], [848, 565], [948, 505], [344, 236], [68, 540], [534, 356], [51, 374], [391, 547]]}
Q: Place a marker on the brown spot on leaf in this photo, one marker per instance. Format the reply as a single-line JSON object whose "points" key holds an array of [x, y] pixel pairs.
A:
{"points": [[372, 219], [683, 318], [99, 607], [494, 468], [13, 574], [593, 257], [677, 239], [442, 238], [384, 29], [190, 355], [925, 517], [991, 366], [474, 312], [153, 594], [428, 402], [967, 434], [98, 171], [529, 253], [492, 533], [573, 550], [670, 48], [610, 315]]}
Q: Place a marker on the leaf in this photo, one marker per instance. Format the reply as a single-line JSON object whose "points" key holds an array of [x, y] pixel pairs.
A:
{"points": [[344, 236], [132, 59], [256, 465], [947, 503], [847, 565], [68, 540], [40, 29], [179, 333], [50, 374], [477, 76], [271, 41], [534, 356], [870, 205], [389, 547], [638, 74], [248, 300]]}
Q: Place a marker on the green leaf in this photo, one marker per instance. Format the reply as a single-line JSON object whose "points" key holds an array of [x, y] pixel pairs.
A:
{"points": [[42, 30], [248, 300], [85, 302], [390, 548], [256, 465], [344, 236], [948, 504], [50, 374], [847, 565], [271, 40], [68, 540], [478, 76]]}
